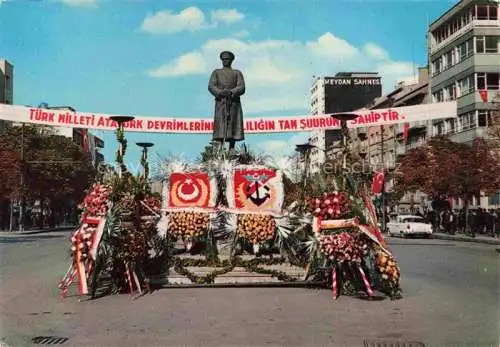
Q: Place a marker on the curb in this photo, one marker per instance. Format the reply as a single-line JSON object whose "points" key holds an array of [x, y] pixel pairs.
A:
{"points": [[33, 232], [465, 239]]}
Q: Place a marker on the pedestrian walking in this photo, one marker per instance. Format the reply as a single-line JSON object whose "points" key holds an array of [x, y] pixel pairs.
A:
{"points": [[496, 223], [472, 221]]}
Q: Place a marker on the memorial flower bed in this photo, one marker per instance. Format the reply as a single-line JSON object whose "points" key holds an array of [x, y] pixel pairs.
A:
{"points": [[130, 235]]}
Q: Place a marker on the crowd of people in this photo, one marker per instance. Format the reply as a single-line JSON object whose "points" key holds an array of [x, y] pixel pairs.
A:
{"points": [[478, 221]]}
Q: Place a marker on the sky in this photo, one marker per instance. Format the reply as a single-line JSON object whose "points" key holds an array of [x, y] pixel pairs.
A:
{"points": [[154, 58]]}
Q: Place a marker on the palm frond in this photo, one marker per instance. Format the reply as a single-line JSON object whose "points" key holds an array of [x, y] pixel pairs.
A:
{"points": [[312, 247], [351, 184], [224, 167], [162, 225], [104, 254]]}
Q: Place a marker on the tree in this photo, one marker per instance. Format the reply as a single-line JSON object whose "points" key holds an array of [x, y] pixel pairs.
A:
{"points": [[444, 168], [56, 170], [61, 172], [428, 168], [477, 170], [494, 127], [10, 170]]}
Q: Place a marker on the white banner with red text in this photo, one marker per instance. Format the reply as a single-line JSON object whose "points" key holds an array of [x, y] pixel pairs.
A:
{"points": [[366, 118]]}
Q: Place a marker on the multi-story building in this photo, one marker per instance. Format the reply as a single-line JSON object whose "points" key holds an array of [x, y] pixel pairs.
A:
{"points": [[344, 92], [6, 82], [6, 85], [382, 145], [464, 56], [465, 61], [317, 139], [81, 137]]}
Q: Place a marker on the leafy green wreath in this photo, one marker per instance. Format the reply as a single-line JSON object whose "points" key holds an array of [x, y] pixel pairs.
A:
{"points": [[225, 266]]}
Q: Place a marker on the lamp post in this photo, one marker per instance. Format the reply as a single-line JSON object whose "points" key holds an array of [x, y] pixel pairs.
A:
{"points": [[362, 155], [121, 140], [305, 151], [343, 118], [144, 158], [21, 188]]}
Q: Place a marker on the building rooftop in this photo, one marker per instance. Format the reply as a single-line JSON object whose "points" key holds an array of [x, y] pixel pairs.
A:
{"points": [[399, 94], [448, 14], [63, 108], [357, 74]]}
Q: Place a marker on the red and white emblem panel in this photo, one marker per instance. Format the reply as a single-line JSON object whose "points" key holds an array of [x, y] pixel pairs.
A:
{"points": [[255, 189], [191, 190]]}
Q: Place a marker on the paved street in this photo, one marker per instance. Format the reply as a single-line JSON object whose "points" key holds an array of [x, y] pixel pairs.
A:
{"points": [[451, 292]]}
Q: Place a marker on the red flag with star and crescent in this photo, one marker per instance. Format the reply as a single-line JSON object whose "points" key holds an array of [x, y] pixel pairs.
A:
{"points": [[484, 95], [190, 190], [378, 182]]}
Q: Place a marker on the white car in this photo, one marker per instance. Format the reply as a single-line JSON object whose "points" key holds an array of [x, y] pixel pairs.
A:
{"points": [[408, 225]]}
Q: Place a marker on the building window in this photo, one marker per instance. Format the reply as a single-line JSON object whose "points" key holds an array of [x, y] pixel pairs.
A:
{"points": [[461, 20], [489, 81], [451, 92], [467, 120], [480, 47], [448, 59], [482, 12], [466, 85], [450, 126], [439, 128], [486, 12], [438, 96], [492, 81], [462, 51], [493, 12], [491, 43], [458, 54], [481, 81], [487, 44], [483, 118], [437, 66], [465, 49]]}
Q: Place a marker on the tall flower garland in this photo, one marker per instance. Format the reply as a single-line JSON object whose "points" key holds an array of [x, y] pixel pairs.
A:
{"points": [[86, 238], [345, 245]]}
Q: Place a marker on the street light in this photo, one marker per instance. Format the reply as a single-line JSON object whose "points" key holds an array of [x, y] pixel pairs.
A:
{"points": [[23, 168], [121, 140], [305, 150], [362, 155], [144, 158]]}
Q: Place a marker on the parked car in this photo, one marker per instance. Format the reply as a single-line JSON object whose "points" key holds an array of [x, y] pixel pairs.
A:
{"points": [[409, 225]]}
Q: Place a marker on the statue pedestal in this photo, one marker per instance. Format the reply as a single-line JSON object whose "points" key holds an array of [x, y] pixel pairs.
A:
{"points": [[223, 249]]}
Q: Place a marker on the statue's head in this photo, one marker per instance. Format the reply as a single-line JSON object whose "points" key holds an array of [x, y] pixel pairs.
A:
{"points": [[227, 58]]}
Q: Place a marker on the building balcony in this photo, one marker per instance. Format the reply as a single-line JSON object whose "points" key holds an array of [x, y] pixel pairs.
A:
{"points": [[477, 62], [474, 98], [421, 124], [400, 150], [469, 135], [462, 31]]}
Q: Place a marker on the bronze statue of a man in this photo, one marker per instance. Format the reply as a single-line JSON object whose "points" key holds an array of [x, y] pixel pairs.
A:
{"points": [[227, 85]]}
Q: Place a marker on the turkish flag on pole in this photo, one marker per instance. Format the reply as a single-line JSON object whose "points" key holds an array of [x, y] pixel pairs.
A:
{"points": [[85, 136], [406, 126], [378, 182], [484, 95]]}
